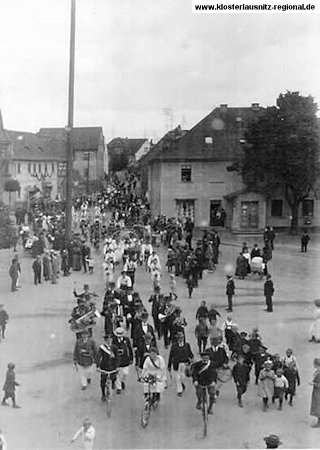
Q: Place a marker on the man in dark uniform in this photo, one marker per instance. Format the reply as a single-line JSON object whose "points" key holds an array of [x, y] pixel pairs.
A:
{"points": [[84, 356], [204, 376], [108, 361]]}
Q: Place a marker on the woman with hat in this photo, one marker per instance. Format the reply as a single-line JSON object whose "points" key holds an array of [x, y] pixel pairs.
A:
{"points": [[315, 399], [266, 383]]}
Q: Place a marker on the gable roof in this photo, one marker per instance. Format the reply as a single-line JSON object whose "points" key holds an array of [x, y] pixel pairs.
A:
{"points": [[83, 138], [32, 147], [224, 126], [130, 145]]}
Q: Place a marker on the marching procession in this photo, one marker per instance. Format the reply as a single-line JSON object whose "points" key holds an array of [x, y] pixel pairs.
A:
{"points": [[122, 335]]}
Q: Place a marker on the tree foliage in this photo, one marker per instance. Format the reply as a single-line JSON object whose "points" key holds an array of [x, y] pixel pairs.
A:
{"points": [[282, 151]]}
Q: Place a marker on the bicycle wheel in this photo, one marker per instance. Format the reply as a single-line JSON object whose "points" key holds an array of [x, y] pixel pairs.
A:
{"points": [[108, 400], [145, 416], [205, 415]]}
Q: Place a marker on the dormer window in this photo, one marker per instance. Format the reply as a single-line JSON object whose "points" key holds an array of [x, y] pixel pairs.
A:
{"points": [[208, 140]]}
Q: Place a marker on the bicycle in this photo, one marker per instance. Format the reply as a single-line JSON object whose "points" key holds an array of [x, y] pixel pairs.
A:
{"points": [[151, 400], [204, 409], [108, 395]]}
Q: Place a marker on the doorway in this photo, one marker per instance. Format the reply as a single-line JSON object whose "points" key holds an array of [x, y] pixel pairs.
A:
{"points": [[249, 215]]}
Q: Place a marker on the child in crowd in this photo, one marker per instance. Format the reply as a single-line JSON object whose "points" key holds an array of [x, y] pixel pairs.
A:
{"points": [[202, 311], [281, 385], [202, 333], [90, 264], [292, 375], [10, 387]]}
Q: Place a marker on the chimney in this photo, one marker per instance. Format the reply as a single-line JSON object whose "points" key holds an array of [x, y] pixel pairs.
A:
{"points": [[223, 107], [255, 106]]}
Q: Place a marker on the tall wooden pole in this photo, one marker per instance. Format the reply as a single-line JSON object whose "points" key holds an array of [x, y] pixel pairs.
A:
{"points": [[70, 123]]}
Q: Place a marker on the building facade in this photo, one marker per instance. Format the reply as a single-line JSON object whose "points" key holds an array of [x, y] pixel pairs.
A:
{"points": [[197, 174]]}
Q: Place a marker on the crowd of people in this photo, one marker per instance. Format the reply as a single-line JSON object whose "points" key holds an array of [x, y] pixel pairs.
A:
{"points": [[116, 226]]}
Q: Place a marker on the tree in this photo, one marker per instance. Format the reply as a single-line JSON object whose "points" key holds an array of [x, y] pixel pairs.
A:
{"points": [[7, 230], [282, 151], [11, 185]]}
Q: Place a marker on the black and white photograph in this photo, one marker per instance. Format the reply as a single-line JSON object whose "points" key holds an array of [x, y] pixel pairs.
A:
{"points": [[159, 224]]}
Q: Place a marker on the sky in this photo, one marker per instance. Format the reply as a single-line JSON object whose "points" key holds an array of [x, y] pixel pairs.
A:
{"points": [[137, 59]]}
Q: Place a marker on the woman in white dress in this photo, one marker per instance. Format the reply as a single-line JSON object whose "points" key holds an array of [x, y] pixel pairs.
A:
{"points": [[155, 365]]}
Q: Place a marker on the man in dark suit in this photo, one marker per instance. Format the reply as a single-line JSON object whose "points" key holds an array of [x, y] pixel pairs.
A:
{"points": [[230, 288], [143, 348], [141, 329]]}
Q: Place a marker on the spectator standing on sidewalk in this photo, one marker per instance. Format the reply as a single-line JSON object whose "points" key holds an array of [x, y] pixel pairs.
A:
{"points": [[230, 288], [268, 289], [4, 317], [305, 238], [36, 266], [14, 273]]}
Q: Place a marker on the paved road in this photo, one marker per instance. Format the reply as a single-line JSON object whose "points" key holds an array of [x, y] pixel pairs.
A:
{"points": [[53, 406]]}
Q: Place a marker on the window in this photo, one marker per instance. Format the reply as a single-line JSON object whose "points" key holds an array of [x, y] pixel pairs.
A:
{"points": [[34, 168], [276, 208], [29, 167], [307, 207], [186, 173], [208, 140], [39, 168], [45, 167], [19, 168], [52, 167]]}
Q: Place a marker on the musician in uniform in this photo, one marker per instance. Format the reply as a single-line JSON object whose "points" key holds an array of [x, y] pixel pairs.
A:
{"points": [[82, 318], [166, 316], [86, 294], [108, 360], [84, 356], [125, 357]]}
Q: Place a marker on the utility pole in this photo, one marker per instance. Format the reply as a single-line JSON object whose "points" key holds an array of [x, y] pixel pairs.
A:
{"points": [[70, 123]]}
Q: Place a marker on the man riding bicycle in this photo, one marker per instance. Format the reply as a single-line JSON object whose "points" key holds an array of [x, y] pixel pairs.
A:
{"points": [[204, 376], [154, 365], [107, 361]]}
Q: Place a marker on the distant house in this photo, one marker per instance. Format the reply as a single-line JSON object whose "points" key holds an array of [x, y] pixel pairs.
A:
{"points": [[196, 174], [89, 151], [124, 152], [39, 160]]}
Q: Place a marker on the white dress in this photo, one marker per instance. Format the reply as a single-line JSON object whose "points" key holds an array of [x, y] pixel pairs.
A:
{"points": [[160, 372]]}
